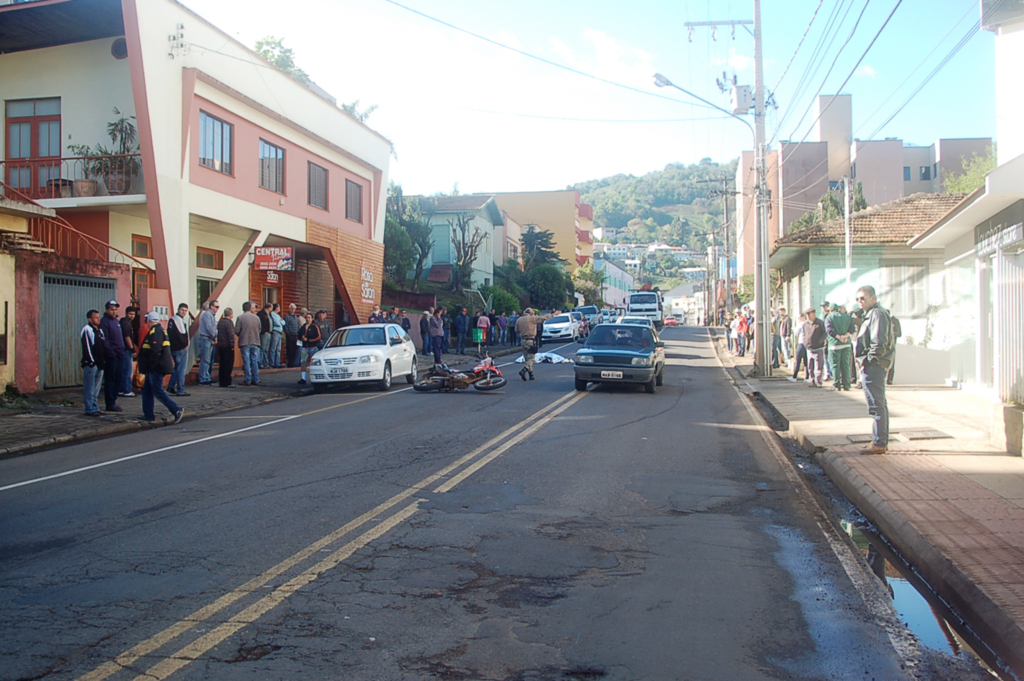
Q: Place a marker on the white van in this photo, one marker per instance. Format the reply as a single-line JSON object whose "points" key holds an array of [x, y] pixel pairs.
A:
{"points": [[647, 304]]}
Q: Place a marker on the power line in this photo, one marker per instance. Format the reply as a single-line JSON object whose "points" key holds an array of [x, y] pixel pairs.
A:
{"points": [[537, 57], [595, 120], [799, 45]]}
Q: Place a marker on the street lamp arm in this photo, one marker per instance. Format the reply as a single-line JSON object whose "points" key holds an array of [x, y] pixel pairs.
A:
{"points": [[662, 81]]}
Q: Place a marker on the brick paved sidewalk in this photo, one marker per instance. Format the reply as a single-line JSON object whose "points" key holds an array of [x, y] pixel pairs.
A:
{"points": [[948, 500], [55, 417]]}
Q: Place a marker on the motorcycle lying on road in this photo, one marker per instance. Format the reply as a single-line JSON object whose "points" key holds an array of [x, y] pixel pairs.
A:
{"points": [[485, 376]]}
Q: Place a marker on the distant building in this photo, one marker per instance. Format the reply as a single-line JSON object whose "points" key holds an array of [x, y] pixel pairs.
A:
{"points": [[798, 174], [485, 218], [559, 212], [618, 283]]}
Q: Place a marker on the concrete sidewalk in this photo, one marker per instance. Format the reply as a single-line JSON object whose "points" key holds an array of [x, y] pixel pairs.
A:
{"points": [[55, 417], [949, 501]]}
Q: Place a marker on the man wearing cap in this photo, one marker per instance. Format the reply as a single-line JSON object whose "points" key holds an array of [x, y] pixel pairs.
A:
{"points": [[839, 327], [526, 327], [815, 339], [155, 362], [113, 352]]}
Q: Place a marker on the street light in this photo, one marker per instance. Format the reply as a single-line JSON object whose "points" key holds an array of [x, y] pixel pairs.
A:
{"points": [[762, 295]]}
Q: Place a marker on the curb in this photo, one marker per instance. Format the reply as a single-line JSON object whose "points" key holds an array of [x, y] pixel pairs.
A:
{"points": [[125, 427], [1001, 634]]}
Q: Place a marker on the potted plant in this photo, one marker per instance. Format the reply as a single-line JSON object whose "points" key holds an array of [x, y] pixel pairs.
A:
{"points": [[117, 166], [85, 186]]}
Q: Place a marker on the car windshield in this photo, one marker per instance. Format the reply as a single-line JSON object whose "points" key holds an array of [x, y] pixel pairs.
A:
{"points": [[630, 337], [560, 319], [635, 320], [643, 299], [357, 335]]}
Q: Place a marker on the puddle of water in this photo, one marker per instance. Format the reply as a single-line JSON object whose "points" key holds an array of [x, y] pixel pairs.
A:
{"points": [[920, 609]]}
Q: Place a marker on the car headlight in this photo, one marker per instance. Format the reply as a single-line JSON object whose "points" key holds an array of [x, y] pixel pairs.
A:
{"points": [[369, 359], [315, 362], [585, 359], [643, 361]]}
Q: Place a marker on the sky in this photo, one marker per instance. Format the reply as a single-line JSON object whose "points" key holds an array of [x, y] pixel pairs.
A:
{"points": [[460, 110]]}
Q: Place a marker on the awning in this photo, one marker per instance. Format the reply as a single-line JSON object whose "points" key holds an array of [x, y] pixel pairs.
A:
{"points": [[1003, 187]]}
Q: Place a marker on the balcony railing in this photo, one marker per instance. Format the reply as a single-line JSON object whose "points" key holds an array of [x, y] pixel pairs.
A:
{"points": [[56, 178], [58, 236]]}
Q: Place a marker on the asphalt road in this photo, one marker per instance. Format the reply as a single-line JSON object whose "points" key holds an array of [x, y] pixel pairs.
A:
{"points": [[529, 533]]}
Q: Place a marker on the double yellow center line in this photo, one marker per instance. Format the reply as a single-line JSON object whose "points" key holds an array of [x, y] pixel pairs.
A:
{"points": [[443, 480]]}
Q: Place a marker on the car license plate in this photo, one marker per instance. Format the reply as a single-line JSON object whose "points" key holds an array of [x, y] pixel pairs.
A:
{"points": [[611, 374]]}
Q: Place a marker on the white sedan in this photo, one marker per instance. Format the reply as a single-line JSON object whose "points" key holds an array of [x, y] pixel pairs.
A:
{"points": [[635, 319], [561, 327], [365, 353]]}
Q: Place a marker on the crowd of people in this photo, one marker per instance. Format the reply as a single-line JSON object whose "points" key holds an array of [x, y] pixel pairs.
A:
{"points": [[854, 347], [135, 352]]}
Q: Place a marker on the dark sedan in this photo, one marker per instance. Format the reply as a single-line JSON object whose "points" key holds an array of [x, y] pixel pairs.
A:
{"points": [[621, 353]]}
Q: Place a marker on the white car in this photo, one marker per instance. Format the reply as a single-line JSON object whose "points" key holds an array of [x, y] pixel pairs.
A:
{"points": [[365, 353], [561, 327], [633, 319]]}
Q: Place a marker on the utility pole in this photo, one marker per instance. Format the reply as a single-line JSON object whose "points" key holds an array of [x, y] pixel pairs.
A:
{"points": [[762, 278], [727, 279]]}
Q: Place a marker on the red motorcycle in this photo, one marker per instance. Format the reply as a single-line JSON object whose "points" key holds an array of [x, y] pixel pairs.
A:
{"points": [[485, 376]]}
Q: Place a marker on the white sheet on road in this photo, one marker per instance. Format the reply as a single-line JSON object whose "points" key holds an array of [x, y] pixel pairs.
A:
{"points": [[546, 358]]}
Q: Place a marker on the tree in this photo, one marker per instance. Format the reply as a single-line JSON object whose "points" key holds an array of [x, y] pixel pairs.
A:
{"points": [[538, 247], [467, 247], [353, 111], [398, 250], [421, 234], [273, 50], [975, 170], [501, 300], [831, 205], [549, 286], [511, 278], [590, 283]]}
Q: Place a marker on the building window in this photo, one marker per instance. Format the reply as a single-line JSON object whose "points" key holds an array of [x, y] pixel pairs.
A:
{"points": [[209, 258], [214, 143], [204, 289], [906, 173], [926, 173], [271, 167], [353, 201], [853, 171], [33, 132], [142, 246], [317, 177], [903, 287], [140, 280]]}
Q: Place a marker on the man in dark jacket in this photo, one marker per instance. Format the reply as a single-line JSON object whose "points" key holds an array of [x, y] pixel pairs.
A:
{"points": [[265, 333], [425, 329], [130, 349], [815, 338], [876, 349], [461, 331], [324, 324], [113, 353], [292, 324], [92, 362], [155, 362], [177, 333]]}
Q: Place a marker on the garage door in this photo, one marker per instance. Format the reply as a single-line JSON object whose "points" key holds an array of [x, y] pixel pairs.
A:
{"points": [[62, 306]]}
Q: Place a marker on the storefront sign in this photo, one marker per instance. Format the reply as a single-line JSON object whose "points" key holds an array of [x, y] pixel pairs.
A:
{"points": [[992, 240], [367, 290], [270, 258]]}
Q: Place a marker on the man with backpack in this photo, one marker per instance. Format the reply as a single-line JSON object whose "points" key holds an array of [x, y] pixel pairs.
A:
{"points": [[876, 348], [155, 362]]}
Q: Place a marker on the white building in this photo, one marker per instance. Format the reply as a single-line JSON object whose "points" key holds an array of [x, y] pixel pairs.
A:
{"points": [[618, 284], [234, 156]]}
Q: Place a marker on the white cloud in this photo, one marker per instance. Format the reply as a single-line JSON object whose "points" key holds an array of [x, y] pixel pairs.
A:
{"points": [[867, 71]]}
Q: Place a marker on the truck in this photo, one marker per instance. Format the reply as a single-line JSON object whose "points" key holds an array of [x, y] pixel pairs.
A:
{"points": [[647, 304]]}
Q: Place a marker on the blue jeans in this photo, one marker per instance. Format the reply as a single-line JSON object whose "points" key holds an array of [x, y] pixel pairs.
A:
{"points": [[427, 349], [206, 351], [460, 342], [177, 384], [154, 388], [126, 373], [112, 380], [251, 363], [274, 359], [92, 379], [444, 343], [264, 350], [502, 335], [872, 377]]}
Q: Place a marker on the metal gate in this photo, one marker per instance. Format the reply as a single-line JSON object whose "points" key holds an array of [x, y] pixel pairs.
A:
{"points": [[62, 306]]}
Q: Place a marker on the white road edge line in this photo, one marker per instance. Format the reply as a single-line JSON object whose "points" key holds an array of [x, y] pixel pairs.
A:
{"points": [[142, 454], [867, 586]]}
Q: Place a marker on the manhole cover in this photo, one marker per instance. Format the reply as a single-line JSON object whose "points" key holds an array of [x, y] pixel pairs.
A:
{"points": [[925, 434]]}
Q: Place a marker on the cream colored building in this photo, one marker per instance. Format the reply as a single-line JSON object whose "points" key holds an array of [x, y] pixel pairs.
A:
{"points": [[234, 156]]}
